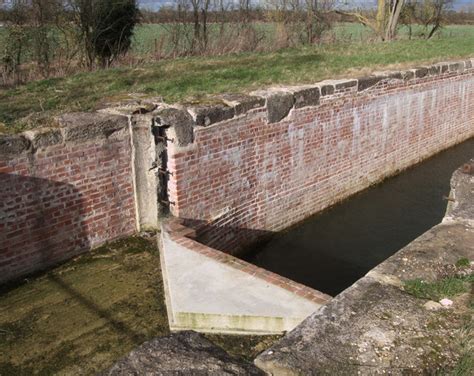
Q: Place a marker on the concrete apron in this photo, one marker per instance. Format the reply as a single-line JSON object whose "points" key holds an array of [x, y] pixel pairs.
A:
{"points": [[206, 295]]}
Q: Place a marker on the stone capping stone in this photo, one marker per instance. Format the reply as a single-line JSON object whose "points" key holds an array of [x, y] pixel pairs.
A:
{"points": [[44, 137], [369, 81], [205, 115], [11, 145], [182, 118], [84, 126], [242, 103], [346, 84], [179, 121], [183, 235]]}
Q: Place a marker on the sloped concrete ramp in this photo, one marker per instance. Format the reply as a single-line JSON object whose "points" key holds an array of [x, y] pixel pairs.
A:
{"points": [[208, 295]]}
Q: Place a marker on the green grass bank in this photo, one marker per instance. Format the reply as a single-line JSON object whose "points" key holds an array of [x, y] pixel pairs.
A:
{"points": [[185, 79]]}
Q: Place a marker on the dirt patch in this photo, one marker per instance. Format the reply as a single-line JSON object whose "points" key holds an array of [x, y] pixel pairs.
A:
{"points": [[83, 316]]}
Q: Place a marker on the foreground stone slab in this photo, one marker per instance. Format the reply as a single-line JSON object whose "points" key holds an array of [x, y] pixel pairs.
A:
{"points": [[184, 353]]}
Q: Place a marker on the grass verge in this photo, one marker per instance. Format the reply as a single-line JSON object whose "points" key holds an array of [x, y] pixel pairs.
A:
{"points": [[183, 79]]}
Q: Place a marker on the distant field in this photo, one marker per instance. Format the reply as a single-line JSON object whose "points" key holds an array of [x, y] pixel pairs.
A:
{"points": [[190, 78], [148, 36]]}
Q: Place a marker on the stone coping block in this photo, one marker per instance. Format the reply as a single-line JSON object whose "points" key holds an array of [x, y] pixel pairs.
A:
{"points": [[84, 126], [44, 137], [205, 115], [13, 144], [210, 291]]}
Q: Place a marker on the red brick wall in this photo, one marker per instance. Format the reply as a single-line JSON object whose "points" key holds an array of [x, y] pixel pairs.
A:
{"points": [[59, 200], [243, 177]]}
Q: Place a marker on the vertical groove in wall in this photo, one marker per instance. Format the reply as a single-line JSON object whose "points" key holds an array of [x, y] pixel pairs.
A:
{"points": [[159, 133], [134, 177]]}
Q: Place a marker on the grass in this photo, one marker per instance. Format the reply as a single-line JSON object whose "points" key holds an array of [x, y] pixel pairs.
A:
{"points": [[191, 78], [445, 288], [83, 316]]}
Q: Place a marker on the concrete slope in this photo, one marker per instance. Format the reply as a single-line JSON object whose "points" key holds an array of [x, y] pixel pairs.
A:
{"points": [[207, 295]]}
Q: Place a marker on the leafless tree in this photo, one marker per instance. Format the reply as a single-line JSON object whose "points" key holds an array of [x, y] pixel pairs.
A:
{"points": [[386, 19]]}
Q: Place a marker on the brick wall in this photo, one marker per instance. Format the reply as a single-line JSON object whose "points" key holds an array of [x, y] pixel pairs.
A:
{"points": [[63, 191], [253, 172]]}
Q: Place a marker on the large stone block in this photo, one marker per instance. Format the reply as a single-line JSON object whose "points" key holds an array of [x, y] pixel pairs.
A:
{"points": [[83, 126], [183, 353], [205, 115], [367, 82], [306, 96], [13, 144], [180, 122], [279, 105], [44, 137], [242, 103]]}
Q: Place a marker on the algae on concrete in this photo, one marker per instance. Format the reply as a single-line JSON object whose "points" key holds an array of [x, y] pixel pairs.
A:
{"points": [[83, 316]]}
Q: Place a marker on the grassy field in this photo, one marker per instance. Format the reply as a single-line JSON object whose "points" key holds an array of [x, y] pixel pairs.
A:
{"points": [[148, 35], [80, 318], [192, 78]]}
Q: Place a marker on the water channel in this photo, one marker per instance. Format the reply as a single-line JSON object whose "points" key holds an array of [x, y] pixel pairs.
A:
{"points": [[331, 250]]}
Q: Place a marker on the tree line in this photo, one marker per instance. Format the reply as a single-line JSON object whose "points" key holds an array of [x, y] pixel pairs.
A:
{"points": [[56, 37]]}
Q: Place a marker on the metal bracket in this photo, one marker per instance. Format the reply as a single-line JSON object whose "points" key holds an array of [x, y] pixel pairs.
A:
{"points": [[165, 202], [164, 139]]}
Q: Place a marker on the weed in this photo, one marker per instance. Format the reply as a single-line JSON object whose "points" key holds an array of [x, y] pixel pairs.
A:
{"points": [[444, 288], [463, 263]]}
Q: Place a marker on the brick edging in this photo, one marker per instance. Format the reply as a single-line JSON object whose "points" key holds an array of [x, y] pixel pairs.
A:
{"points": [[183, 236]]}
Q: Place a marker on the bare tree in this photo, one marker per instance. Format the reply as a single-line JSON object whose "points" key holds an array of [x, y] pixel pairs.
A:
{"points": [[386, 19]]}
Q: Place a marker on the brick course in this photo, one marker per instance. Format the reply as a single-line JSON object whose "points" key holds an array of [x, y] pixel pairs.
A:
{"points": [[63, 199]]}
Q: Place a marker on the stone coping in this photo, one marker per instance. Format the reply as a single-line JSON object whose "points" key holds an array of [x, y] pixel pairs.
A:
{"points": [[184, 236], [72, 128], [182, 118]]}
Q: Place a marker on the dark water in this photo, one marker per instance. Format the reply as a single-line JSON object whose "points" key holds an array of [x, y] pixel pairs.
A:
{"points": [[330, 251]]}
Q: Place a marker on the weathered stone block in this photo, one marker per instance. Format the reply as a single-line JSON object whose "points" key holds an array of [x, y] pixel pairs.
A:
{"points": [[205, 115], [468, 64], [13, 144], [279, 105], [456, 67], [434, 70], [181, 123], [182, 353], [421, 72], [327, 89], [346, 84], [83, 126], [44, 137], [408, 75], [306, 96], [367, 82], [242, 103]]}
